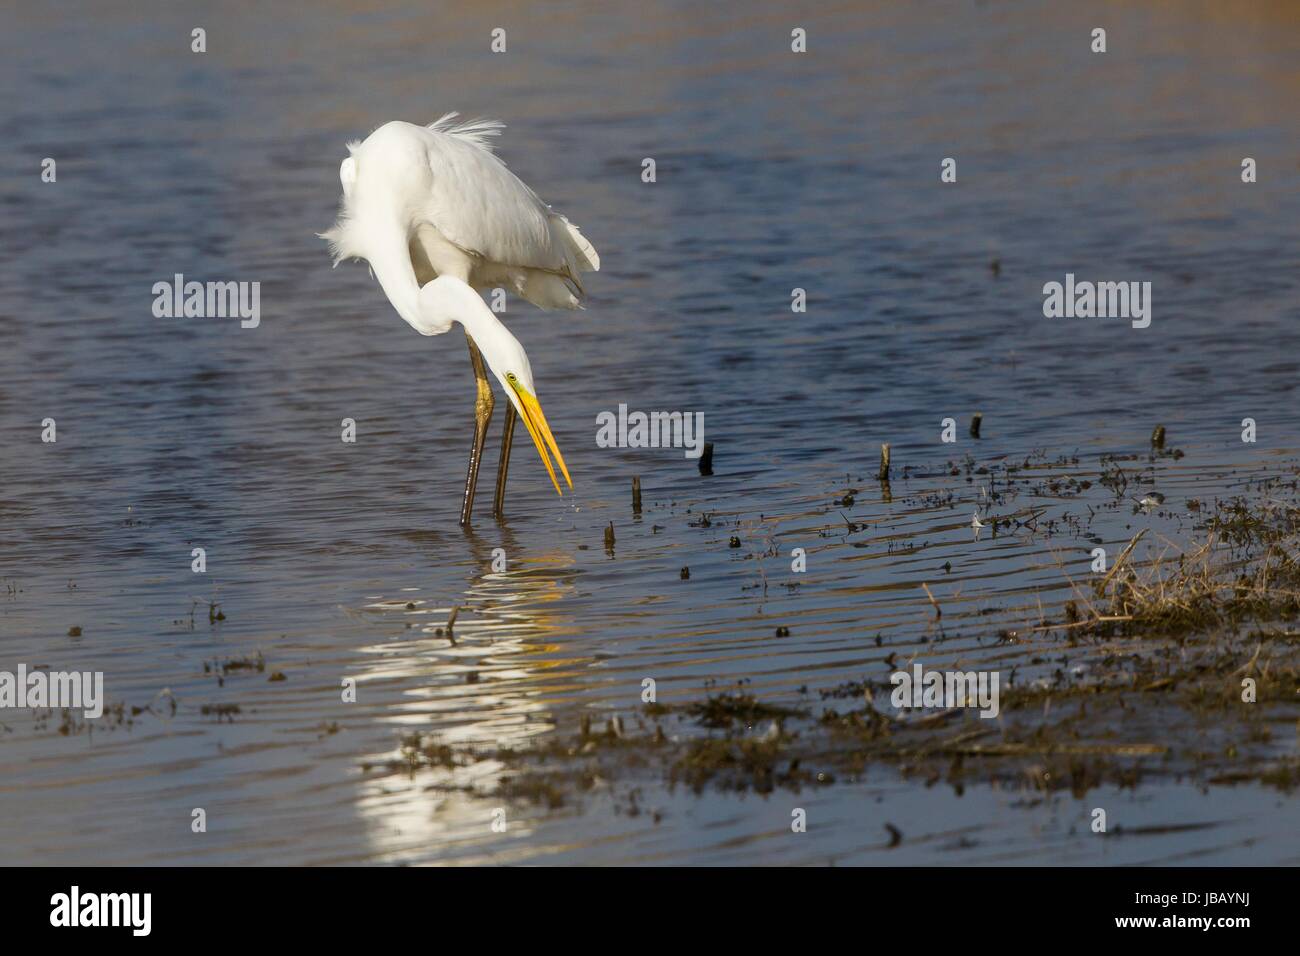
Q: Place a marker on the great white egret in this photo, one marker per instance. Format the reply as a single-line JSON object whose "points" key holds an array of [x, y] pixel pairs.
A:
{"points": [[437, 215]]}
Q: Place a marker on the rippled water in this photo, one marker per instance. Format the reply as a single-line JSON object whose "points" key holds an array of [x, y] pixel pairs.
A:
{"points": [[775, 171]]}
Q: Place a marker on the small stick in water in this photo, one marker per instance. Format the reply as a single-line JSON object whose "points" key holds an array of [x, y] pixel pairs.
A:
{"points": [[884, 462], [451, 624], [1119, 562], [636, 495], [1158, 437], [706, 459], [975, 425], [938, 613], [609, 537]]}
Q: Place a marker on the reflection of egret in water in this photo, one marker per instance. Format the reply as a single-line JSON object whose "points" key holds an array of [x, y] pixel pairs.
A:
{"points": [[479, 689]]}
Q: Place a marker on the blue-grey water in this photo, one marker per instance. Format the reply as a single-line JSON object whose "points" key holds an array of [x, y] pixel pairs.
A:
{"points": [[775, 171]]}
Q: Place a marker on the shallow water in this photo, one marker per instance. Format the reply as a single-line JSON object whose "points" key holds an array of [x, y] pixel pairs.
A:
{"points": [[774, 172]]}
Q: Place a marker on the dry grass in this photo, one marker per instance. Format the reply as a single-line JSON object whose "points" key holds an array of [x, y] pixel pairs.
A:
{"points": [[1201, 590]]}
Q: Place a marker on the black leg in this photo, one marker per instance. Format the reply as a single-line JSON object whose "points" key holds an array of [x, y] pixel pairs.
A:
{"points": [[503, 465], [483, 403]]}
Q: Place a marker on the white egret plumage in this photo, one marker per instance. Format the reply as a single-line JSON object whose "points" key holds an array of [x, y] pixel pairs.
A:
{"points": [[438, 215]]}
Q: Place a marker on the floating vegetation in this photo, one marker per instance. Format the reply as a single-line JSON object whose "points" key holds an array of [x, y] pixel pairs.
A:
{"points": [[223, 712], [726, 710], [223, 668]]}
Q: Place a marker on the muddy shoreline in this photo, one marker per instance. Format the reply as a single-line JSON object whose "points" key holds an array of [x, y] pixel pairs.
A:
{"points": [[1140, 674]]}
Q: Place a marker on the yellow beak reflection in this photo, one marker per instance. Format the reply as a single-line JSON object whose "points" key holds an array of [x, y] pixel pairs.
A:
{"points": [[535, 422]]}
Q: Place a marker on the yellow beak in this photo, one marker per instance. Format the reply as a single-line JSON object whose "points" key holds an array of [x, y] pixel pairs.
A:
{"points": [[535, 422]]}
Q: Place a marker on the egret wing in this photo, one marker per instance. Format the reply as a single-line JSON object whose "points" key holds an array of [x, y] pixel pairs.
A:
{"points": [[479, 205]]}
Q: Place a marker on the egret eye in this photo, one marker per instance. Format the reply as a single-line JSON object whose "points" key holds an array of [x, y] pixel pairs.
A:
{"points": [[510, 376]]}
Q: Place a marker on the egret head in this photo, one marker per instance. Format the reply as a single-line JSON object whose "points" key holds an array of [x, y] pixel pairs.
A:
{"points": [[509, 363], [446, 299]]}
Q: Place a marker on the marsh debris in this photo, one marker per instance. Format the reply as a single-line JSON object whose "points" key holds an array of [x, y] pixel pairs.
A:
{"points": [[1135, 677], [724, 710]]}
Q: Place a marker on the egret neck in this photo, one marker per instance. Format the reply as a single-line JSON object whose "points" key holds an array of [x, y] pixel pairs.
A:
{"points": [[447, 299], [390, 258]]}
